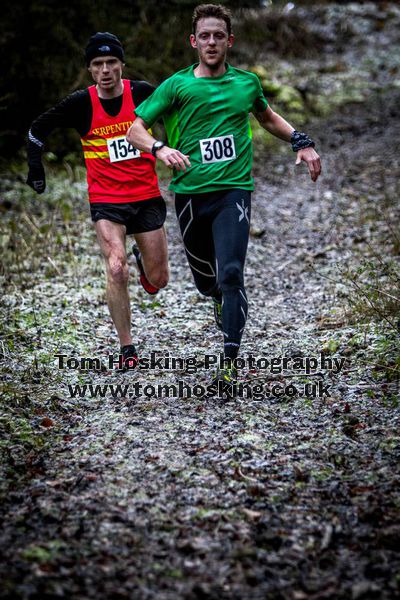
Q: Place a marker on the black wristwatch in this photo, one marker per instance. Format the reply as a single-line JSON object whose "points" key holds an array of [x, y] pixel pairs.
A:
{"points": [[157, 146]]}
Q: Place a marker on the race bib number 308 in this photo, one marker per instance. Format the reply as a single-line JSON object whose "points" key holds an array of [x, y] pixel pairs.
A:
{"points": [[120, 149], [218, 149]]}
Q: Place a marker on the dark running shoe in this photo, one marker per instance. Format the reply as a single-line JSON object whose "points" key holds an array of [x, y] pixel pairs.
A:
{"points": [[225, 383], [145, 283], [218, 313], [129, 357], [228, 376]]}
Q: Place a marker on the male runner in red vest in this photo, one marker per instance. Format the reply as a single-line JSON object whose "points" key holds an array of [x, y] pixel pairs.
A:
{"points": [[123, 189]]}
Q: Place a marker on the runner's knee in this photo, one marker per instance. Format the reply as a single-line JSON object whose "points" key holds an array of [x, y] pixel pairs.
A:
{"points": [[117, 270], [158, 278], [230, 276]]}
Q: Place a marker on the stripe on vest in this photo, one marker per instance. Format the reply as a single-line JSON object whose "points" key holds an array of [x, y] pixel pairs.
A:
{"points": [[96, 155], [95, 142]]}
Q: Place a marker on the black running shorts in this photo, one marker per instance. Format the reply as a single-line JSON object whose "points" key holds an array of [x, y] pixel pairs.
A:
{"points": [[138, 217]]}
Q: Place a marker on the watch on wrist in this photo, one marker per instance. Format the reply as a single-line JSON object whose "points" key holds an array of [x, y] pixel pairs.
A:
{"points": [[157, 146]]}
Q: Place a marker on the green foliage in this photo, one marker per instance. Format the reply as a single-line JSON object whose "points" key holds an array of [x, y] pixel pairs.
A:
{"points": [[375, 285], [374, 297], [44, 553], [388, 360]]}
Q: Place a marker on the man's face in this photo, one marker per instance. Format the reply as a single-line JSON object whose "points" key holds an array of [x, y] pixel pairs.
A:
{"points": [[106, 71], [212, 41]]}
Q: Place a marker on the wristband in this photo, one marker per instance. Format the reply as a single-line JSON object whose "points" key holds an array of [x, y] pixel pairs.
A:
{"points": [[300, 140]]}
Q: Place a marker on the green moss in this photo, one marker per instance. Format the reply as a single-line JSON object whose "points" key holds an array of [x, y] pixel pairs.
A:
{"points": [[42, 553]]}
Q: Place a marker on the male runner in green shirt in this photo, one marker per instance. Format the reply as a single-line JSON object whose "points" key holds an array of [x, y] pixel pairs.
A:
{"points": [[206, 109]]}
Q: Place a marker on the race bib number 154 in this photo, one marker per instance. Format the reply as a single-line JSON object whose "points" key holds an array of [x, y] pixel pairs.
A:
{"points": [[120, 149], [218, 149]]}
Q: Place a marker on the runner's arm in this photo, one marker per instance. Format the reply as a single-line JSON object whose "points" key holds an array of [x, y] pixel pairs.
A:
{"points": [[72, 111], [277, 126], [140, 138], [274, 124]]}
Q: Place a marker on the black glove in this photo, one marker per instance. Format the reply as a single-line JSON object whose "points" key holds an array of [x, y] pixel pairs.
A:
{"points": [[37, 179]]}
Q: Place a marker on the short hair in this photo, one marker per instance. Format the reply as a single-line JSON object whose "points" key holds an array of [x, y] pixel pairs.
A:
{"points": [[202, 11]]}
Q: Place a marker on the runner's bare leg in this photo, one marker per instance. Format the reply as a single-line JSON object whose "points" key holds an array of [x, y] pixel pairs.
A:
{"points": [[154, 250], [111, 237]]}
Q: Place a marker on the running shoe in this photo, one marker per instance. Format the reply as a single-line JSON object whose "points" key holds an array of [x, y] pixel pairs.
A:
{"points": [[145, 283], [129, 357], [225, 382], [227, 375], [218, 313]]}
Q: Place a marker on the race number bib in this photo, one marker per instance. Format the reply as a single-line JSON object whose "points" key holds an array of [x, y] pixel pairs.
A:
{"points": [[120, 149], [218, 149]]}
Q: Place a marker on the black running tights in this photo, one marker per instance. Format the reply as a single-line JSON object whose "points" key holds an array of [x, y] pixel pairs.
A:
{"points": [[215, 232]]}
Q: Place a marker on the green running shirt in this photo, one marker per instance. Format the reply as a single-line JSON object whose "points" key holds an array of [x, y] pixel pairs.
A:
{"points": [[208, 119]]}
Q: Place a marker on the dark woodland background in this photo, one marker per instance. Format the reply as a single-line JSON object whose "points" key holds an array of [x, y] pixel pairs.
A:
{"points": [[42, 50]]}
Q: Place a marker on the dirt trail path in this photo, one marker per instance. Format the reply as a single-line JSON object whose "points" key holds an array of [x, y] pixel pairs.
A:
{"points": [[198, 498]]}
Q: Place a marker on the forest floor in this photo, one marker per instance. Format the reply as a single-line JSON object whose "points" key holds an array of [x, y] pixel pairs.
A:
{"points": [[119, 492]]}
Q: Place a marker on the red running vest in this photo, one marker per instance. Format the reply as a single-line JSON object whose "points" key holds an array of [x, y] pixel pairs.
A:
{"points": [[116, 172]]}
